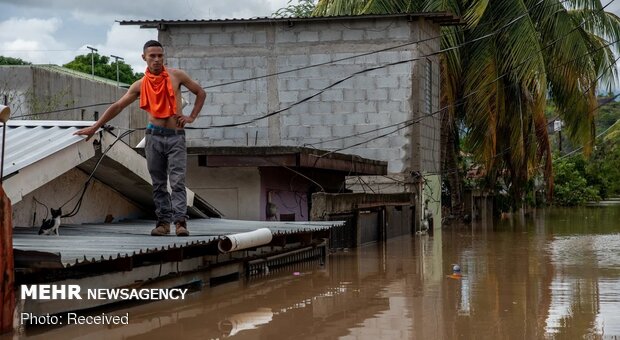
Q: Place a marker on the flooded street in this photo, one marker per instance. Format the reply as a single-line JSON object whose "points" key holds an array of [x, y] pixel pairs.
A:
{"points": [[555, 275]]}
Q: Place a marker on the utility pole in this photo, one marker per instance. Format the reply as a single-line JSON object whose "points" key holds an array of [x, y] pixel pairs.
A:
{"points": [[116, 58], [92, 60]]}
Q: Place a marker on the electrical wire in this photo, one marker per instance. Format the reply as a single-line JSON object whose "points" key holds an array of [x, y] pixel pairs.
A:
{"points": [[305, 67], [78, 204]]}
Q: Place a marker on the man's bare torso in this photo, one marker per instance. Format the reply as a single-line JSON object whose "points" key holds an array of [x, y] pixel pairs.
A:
{"points": [[171, 121]]}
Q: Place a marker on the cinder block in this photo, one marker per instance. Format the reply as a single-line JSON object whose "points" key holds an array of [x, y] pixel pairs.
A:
{"points": [[341, 108], [224, 38], [387, 81], [297, 84], [353, 34], [222, 74], [366, 107], [180, 40], [388, 57], [332, 95], [240, 38], [399, 94], [320, 131], [399, 32], [199, 39], [241, 98], [297, 131], [354, 95], [379, 118], [260, 38], [319, 58], [310, 119], [297, 60], [214, 133], [322, 107], [223, 120], [233, 109], [372, 34], [288, 96], [213, 62], [234, 133], [378, 94], [236, 62], [290, 120], [355, 119], [241, 73], [306, 36], [318, 84], [330, 35], [364, 82], [342, 130], [333, 119], [223, 98]]}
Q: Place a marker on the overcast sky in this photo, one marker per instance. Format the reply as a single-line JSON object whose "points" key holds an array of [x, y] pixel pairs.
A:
{"points": [[55, 31]]}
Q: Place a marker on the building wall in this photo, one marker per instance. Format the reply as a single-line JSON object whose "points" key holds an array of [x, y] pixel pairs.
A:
{"points": [[353, 110], [287, 191], [99, 202], [40, 88], [235, 192]]}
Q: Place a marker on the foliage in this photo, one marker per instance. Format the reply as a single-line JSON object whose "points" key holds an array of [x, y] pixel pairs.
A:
{"points": [[103, 68], [571, 185], [498, 84], [303, 8], [12, 61]]}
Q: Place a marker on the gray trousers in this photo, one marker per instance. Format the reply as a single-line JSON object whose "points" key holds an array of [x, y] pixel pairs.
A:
{"points": [[166, 158]]}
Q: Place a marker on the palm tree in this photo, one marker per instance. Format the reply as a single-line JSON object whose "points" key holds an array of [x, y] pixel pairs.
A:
{"points": [[498, 87]]}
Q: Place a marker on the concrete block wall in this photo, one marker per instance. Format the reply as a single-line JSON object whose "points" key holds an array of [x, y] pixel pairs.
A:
{"points": [[33, 89], [352, 115]]}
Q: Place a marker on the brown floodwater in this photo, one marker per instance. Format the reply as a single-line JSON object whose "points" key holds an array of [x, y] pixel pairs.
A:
{"points": [[552, 275]]}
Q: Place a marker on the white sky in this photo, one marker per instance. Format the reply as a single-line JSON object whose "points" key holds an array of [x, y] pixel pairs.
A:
{"points": [[55, 31]]}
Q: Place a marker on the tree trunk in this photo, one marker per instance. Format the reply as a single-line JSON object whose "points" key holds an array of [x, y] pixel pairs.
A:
{"points": [[450, 163]]}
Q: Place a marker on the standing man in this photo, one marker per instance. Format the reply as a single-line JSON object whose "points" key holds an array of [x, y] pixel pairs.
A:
{"points": [[166, 156]]}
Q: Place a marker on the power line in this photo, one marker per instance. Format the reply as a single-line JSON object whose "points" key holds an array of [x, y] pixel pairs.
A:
{"points": [[322, 64]]}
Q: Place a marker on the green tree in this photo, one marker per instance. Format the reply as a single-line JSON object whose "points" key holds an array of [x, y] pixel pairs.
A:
{"points": [[103, 68], [514, 54], [572, 187], [12, 61], [303, 8]]}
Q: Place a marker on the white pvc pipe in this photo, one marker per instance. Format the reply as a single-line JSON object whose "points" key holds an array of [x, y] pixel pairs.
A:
{"points": [[240, 241], [244, 321]]}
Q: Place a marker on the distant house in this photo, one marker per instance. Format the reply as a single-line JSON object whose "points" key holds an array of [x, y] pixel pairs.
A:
{"points": [[271, 183], [316, 69]]}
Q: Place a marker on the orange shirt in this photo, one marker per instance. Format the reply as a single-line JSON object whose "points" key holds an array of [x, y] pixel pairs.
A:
{"points": [[157, 96]]}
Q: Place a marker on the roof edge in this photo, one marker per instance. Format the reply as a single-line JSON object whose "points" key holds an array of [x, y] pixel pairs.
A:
{"points": [[441, 18]]}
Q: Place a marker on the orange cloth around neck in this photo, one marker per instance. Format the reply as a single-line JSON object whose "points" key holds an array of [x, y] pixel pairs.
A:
{"points": [[157, 96]]}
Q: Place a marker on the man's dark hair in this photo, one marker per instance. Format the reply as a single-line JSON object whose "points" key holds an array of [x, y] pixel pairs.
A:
{"points": [[151, 43]]}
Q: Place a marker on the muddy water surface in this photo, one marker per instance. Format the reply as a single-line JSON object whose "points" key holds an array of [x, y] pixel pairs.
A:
{"points": [[554, 275]]}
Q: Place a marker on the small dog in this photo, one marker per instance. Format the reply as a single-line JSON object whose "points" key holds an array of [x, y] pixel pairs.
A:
{"points": [[51, 226]]}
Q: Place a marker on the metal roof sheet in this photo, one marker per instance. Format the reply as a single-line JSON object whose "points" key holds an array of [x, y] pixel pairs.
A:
{"points": [[445, 18], [100, 242], [29, 141]]}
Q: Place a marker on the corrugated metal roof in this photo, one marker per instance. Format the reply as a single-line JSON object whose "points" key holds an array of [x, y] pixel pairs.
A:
{"points": [[445, 18], [100, 242], [30, 141]]}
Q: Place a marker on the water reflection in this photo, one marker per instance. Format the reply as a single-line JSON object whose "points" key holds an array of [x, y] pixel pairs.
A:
{"points": [[554, 274]]}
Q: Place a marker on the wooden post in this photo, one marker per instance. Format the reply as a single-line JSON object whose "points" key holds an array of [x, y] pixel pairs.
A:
{"points": [[7, 273]]}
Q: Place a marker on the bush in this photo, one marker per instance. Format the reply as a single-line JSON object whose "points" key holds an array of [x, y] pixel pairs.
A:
{"points": [[571, 186]]}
